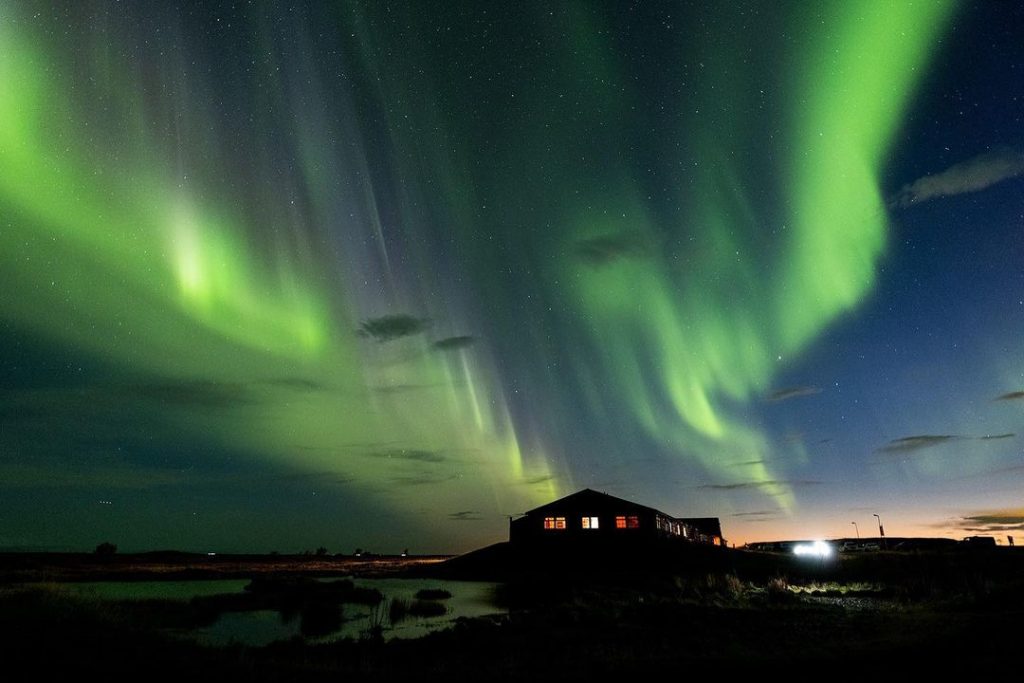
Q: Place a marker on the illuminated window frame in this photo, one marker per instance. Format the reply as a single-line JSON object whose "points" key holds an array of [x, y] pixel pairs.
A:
{"points": [[620, 522], [632, 522], [554, 523], [590, 523]]}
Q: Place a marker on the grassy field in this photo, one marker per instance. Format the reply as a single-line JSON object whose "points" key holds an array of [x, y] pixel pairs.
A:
{"points": [[880, 614]]}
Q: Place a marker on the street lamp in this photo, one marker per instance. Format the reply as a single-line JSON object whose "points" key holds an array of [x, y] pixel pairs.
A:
{"points": [[856, 528], [881, 531]]}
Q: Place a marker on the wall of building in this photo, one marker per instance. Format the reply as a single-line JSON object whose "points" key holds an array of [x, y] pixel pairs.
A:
{"points": [[590, 516]]}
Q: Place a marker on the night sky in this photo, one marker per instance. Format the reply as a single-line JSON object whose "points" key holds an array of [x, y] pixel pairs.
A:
{"points": [[380, 274]]}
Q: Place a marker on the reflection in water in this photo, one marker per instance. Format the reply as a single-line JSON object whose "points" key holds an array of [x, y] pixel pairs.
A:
{"points": [[155, 590], [411, 608], [256, 628]]}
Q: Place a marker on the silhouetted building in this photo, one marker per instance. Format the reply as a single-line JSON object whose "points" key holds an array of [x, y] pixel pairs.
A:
{"points": [[592, 516]]}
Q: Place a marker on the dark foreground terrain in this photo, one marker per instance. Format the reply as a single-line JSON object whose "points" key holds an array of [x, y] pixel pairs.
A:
{"points": [[170, 565], [876, 615]]}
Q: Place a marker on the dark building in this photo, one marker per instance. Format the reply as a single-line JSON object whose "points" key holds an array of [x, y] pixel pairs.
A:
{"points": [[591, 516]]}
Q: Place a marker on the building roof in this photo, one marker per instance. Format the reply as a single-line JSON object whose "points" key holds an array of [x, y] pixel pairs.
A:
{"points": [[596, 500]]}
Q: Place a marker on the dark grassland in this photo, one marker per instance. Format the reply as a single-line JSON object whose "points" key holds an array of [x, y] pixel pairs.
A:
{"points": [[574, 616]]}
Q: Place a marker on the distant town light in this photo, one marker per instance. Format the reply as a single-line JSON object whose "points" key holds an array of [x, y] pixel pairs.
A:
{"points": [[818, 549]]}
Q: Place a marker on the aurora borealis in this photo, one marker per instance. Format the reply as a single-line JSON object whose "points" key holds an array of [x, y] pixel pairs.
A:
{"points": [[382, 274]]}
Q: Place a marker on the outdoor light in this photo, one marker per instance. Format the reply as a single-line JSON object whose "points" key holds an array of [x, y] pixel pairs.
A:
{"points": [[818, 549]]}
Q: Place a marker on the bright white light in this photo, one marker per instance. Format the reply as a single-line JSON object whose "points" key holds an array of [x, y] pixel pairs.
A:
{"points": [[818, 549]]}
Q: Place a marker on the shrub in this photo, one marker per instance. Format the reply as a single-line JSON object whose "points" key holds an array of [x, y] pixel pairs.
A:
{"points": [[398, 610], [777, 589], [427, 608]]}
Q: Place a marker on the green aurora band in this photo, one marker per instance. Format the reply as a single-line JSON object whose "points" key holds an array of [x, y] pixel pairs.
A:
{"points": [[122, 239], [718, 324], [113, 255]]}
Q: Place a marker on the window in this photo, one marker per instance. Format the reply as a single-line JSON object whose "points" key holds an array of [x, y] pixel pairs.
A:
{"points": [[590, 523], [627, 522], [554, 522]]}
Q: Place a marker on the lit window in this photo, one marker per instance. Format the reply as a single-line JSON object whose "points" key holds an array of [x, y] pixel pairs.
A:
{"points": [[632, 522], [620, 522], [554, 522], [590, 523]]}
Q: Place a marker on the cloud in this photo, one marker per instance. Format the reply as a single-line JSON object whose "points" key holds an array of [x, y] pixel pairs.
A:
{"points": [[791, 392], [137, 476], [357, 445], [205, 394], [52, 475], [757, 515], [454, 343], [402, 388], [1009, 517], [908, 444], [973, 175], [465, 516], [296, 383], [389, 327], [211, 395], [994, 528], [410, 454], [64, 405], [744, 485], [195, 394], [606, 249], [993, 521], [325, 477], [1012, 396], [422, 480]]}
